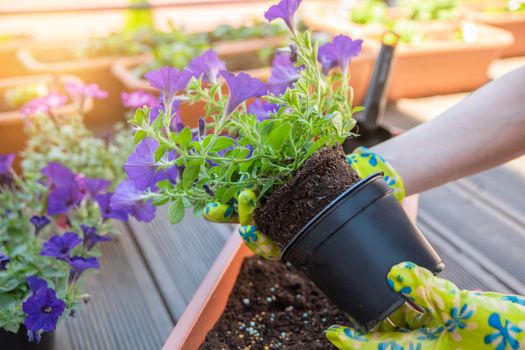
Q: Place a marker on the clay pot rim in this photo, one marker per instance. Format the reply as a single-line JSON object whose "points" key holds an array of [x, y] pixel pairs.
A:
{"points": [[29, 60], [13, 117], [20, 39]]}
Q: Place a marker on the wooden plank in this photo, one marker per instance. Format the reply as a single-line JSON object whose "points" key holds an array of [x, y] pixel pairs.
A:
{"points": [[464, 220], [179, 256], [126, 311], [460, 268]]}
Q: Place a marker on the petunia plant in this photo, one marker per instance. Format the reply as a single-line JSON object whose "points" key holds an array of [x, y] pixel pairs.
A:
{"points": [[56, 211], [252, 134]]}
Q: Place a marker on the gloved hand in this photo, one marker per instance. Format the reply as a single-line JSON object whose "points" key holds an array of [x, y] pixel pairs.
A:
{"points": [[240, 210], [453, 318]]}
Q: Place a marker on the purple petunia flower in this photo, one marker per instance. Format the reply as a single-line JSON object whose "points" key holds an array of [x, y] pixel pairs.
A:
{"points": [[39, 222], [80, 90], [284, 74], [95, 186], [241, 87], [285, 10], [4, 260], [42, 308], [6, 162], [66, 190], [43, 104], [208, 65], [138, 99], [91, 238], [169, 80], [106, 211], [80, 264], [262, 109], [60, 246], [142, 168], [338, 53], [129, 198]]}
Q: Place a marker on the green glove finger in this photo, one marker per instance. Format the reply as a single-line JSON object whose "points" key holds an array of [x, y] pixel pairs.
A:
{"points": [[246, 204], [345, 338], [220, 212], [406, 317], [435, 295], [259, 243], [366, 162]]}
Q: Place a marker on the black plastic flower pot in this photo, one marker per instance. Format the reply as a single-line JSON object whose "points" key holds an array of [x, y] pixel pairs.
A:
{"points": [[348, 249], [19, 340]]}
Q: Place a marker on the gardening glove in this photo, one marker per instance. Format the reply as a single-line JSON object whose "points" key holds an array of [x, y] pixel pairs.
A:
{"points": [[453, 318], [240, 210]]}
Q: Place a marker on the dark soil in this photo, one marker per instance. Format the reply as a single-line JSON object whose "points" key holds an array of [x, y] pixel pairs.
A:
{"points": [[273, 306], [321, 179]]}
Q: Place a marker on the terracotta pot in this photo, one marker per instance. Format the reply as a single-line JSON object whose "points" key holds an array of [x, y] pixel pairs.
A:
{"points": [[57, 58], [10, 66], [436, 66], [512, 22], [12, 134], [210, 299]]}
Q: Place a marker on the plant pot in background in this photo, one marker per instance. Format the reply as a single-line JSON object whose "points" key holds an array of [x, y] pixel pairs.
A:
{"points": [[511, 22], [10, 66], [58, 59], [16, 341], [442, 64], [12, 136], [210, 299]]}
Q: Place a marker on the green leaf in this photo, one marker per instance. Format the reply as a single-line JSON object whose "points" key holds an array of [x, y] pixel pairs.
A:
{"points": [[358, 109], [279, 136], [159, 152], [198, 208], [184, 137], [189, 175], [139, 135], [176, 211], [158, 123], [221, 143]]}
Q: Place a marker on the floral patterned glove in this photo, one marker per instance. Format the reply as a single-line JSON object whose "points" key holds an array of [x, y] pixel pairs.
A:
{"points": [[362, 160], [453, 318]]}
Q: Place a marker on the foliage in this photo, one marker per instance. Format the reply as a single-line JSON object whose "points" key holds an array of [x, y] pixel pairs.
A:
{"points": [[61, 154], [234, 148]]}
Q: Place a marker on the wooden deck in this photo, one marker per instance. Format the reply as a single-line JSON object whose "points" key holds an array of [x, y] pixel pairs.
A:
{"points": [[150, 272]]}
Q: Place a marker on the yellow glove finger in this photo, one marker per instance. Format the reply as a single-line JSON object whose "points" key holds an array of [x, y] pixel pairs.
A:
{"points": [[345, 338], [246, 204], [259, 243], [220, 212]]}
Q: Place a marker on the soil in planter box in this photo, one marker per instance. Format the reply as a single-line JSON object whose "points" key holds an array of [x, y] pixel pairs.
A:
{"points": [[272, 306], [321, 179]]}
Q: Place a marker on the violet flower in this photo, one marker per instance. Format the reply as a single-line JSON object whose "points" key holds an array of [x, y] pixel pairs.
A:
{"points": [[39, 222], [106, 211], [241, 87], [91, 238], [4, 260], [141, 167], [284, 74], [66, 191], [78, 265], [58, 175], [285, 10], [130, 199], [169, 80], [6, 163], [80, 90], [208, 65], [95, 186], [61, 246], [42, 308], [138, 99], [43, 104], [262, 109], [338, 53]]}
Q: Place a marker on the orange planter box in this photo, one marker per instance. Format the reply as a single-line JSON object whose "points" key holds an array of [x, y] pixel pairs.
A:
{"points": [[210, 299]]}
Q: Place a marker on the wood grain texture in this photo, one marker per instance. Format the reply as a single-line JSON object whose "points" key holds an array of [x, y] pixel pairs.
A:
{"points": [[125, 311], [179, 256]]}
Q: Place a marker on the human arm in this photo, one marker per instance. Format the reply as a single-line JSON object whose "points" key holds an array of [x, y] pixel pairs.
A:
{"points": [[484, 130]]}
